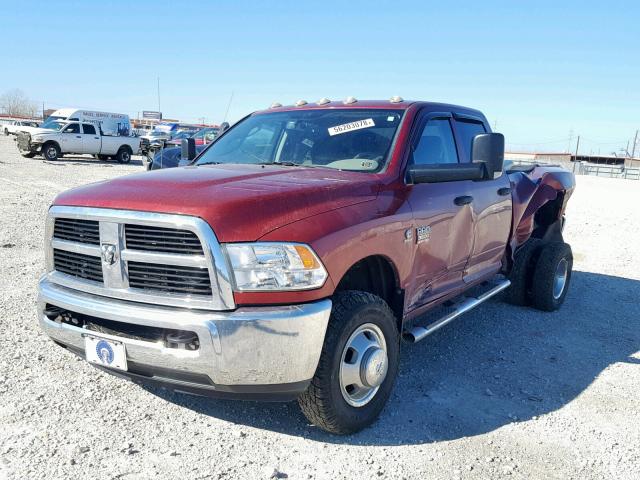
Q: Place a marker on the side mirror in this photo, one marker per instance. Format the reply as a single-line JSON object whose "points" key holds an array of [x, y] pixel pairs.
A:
{"points": [[488, 148], [188, 149], [224, 126]]}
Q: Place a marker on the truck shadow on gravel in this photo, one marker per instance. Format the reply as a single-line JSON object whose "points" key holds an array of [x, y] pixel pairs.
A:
{"points": [[86, 161], [496, 365]]}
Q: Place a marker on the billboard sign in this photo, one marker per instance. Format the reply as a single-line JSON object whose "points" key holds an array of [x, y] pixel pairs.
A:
{"points": [[149, 115]]}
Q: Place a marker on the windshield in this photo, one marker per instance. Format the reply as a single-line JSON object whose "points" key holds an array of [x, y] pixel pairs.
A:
{"points": [[346, 139], [182, 134], [52, 123]]}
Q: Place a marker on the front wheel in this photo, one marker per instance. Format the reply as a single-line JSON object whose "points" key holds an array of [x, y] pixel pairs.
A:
{"points": [[51, 152], [357, 367], [552, 276]]}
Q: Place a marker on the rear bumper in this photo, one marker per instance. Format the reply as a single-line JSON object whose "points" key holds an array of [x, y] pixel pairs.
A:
{"points": [[268, 353]]}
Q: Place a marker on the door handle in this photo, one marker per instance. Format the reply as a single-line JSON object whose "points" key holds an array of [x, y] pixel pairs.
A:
{"points": [[463, 200], [504, 191], [97, 138], [78, 136]]}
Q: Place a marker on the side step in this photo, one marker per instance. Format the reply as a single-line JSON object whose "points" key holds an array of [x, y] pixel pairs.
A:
{"points": [[416, 334]]}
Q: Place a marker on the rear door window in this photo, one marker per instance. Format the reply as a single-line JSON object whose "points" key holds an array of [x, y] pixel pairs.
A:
{"points": [[88, 129]]}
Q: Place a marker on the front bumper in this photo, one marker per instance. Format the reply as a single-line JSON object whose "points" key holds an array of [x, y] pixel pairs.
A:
{"points": [[25, 144], [266, 353]]}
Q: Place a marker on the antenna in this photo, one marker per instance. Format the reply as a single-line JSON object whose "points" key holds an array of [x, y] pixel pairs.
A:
{"points": [[228, 107]]}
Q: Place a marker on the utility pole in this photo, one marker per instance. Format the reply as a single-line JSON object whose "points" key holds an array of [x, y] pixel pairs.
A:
{"points": [[576, 157], [159, 94], [570, 140]]}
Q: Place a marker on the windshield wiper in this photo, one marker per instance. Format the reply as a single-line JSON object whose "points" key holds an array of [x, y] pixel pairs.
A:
{"points": [[290, 164], [208, 163]]}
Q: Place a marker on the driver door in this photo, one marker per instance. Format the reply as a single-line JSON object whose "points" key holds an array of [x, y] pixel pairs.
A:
{"points": [[71, 139], [443, 222]]}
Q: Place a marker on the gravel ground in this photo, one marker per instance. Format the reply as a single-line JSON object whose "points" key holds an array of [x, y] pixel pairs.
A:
{"points": [[504, 391]]}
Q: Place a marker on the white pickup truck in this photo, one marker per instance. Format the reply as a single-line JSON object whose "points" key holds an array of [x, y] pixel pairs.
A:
{"points": [[18, 125], [65, 137]]}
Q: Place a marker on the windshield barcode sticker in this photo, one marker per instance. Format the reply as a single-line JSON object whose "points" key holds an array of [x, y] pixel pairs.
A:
{"points": [[350, 127]]}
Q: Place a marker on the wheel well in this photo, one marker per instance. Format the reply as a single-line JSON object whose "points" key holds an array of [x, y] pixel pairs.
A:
{"points": [[377, 275], [51, 142], [127, 148], [548, 221]]}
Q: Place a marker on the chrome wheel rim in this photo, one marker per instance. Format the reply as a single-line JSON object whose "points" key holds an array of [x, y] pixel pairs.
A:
{"points": [[51, 152], [363, 365], [560, 278]]}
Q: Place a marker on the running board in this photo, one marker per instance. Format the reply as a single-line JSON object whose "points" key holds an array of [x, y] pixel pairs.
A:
{"points": [[416, 334]]}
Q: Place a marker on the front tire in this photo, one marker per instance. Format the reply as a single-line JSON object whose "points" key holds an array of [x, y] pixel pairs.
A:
{"points": [[357, 367], [552, 276], [51, 152]]}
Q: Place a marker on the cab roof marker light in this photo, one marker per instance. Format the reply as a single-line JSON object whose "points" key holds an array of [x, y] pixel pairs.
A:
{"points": [[275, 105], [324, 101], [350, 100], [301, 103], [396, 99]]}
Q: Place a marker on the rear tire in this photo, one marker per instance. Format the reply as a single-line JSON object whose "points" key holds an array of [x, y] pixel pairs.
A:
{"points": [[552, 276], [361, 346], [51, 152], [123, 155], [521, 275]]}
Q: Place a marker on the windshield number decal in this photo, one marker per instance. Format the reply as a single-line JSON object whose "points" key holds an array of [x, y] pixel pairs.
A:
{"points": [[350, 127]]}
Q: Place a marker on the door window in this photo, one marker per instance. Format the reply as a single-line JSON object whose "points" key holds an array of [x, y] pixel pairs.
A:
{"points": [[467, 130], [436, 144], [88, 129], [72, 128]]}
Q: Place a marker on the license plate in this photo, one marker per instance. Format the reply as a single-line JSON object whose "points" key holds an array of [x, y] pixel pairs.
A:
{"points": [[108, 353]]}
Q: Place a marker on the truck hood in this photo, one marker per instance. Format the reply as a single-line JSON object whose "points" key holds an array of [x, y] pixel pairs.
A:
{"points": [[240, 202], [35, 130], [39, 131]]}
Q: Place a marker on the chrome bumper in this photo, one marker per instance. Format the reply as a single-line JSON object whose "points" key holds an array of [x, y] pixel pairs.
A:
{"points": [[250, 350]]}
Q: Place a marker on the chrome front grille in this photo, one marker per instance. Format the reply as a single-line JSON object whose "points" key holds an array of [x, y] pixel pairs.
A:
{"points": [[78, 265], [171, 240], [75, 230], [166, 278], [156, 258]]}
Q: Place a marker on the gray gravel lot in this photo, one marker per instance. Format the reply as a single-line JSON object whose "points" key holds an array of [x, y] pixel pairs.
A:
{"points": [[504, 391]]}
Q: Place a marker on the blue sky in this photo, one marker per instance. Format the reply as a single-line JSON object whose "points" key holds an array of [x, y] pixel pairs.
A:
{"points": [[541, 71]]}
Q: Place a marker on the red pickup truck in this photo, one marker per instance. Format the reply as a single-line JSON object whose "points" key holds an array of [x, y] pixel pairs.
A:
{"points": [[293, 255]]}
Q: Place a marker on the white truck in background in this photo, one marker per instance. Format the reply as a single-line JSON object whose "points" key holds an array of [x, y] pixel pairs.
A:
{"points": [[16, 126], [72, 131]]}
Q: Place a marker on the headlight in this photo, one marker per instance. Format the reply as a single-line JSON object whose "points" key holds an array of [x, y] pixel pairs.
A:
{"points": [[275, 266]]}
